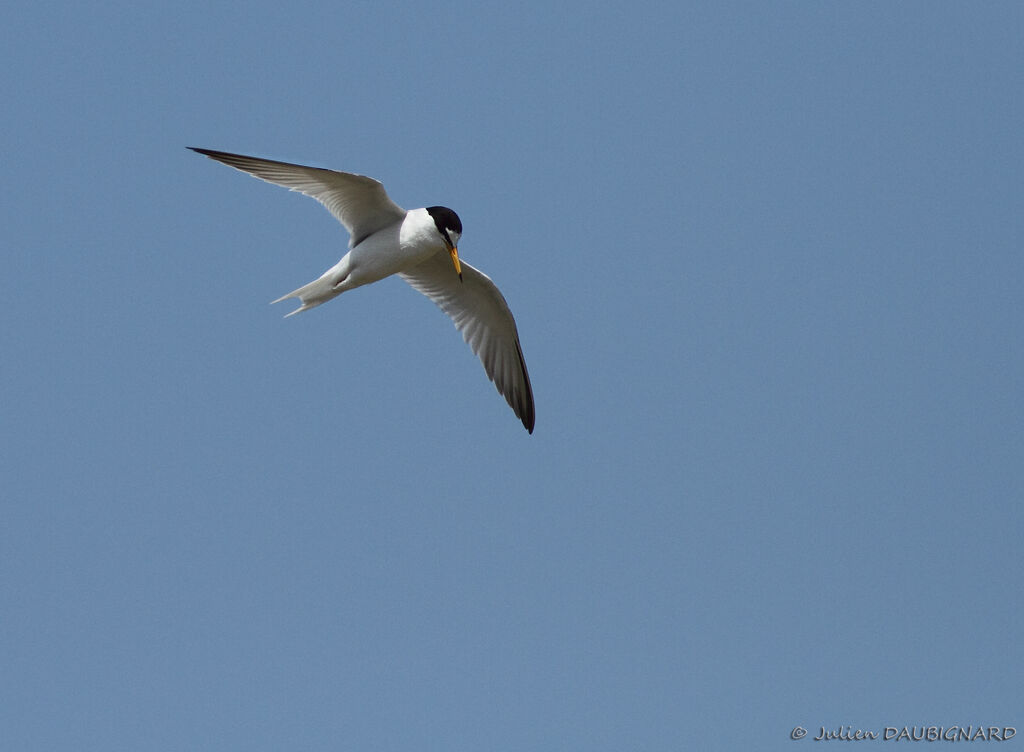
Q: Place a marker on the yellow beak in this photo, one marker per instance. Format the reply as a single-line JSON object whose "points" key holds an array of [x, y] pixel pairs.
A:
{"points": [[455, 260]]}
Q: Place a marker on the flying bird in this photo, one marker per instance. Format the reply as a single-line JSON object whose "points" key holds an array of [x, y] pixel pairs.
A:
{"points": [[421, 247]]}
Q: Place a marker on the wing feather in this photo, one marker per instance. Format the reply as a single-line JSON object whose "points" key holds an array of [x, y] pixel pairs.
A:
{"points": [[360, 203], [480, 313]]}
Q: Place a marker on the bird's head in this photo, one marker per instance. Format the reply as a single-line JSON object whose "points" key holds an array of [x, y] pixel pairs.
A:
{"points": [[450, 228]]}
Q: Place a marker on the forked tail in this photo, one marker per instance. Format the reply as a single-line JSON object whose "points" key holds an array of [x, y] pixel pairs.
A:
{"points": [[313, 294]]}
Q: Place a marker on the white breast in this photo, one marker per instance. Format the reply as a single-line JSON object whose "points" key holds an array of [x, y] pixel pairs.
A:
{"points": [[395, 248]]}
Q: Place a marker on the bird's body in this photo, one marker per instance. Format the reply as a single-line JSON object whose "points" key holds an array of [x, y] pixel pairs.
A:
{"points": [[420, 246], [387, 251]]}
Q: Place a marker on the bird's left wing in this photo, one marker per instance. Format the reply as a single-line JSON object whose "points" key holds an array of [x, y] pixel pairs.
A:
{"points": [[480, 312], [358, 202]]}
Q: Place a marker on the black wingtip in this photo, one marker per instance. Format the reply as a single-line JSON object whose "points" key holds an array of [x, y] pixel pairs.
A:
{"points": [[526, 411]]}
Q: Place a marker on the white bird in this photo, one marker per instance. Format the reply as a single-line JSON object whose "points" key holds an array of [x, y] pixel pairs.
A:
{"points": [[420, 246]]}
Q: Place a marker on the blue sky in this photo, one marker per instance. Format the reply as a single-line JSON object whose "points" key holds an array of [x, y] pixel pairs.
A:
{"points": [[765, 260]]}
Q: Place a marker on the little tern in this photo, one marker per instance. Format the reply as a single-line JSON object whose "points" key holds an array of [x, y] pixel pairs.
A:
{"points": [[421, 247]]}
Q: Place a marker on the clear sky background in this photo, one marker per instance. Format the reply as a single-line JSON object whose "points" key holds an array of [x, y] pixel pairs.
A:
{"points": [[766, 262]]}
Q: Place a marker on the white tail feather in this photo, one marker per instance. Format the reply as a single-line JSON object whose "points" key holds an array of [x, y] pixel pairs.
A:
{"points": [[313, 294]]}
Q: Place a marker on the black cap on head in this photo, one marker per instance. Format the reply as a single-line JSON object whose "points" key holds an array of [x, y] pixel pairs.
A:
{"points": [[446, 220]]}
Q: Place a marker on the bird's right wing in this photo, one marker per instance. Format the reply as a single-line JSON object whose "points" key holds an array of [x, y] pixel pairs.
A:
{"points": [[480, 312], [358, 202]]}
